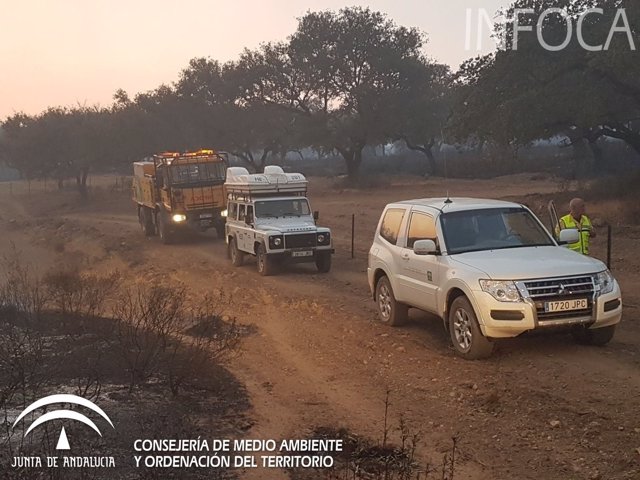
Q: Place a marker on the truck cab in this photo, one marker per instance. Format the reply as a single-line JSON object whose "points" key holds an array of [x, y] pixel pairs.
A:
{"points": [[269, 217]]}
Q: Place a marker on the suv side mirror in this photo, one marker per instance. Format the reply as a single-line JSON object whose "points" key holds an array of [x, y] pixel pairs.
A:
{"points": [[570, 235], [316, 215], [425, 247]]}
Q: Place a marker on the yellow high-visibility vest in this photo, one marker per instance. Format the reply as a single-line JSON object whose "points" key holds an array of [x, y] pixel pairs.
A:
{"points": [[584, 228]]}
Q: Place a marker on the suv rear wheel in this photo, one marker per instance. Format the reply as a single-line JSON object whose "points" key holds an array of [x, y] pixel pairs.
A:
{"points": [[465, 332], [390, 311]]}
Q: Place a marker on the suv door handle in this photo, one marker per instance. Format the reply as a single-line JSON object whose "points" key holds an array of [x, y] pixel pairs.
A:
{"points": [[405, 256]]}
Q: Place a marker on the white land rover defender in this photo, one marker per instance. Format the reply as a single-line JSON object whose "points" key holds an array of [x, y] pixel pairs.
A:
{"points": [[489, 269], [268, 216]]}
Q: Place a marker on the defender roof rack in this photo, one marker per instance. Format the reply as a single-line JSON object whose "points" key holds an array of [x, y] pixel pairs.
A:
{"points": [[273, 182]]}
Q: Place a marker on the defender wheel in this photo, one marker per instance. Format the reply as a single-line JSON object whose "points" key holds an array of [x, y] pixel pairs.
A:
{"points": [[598, 336], [165, 235], [323, 262], [390, 311], [266, 265], [465, 332], [237, 257]]}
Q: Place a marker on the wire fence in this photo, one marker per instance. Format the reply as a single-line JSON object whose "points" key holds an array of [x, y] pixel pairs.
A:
{"points": [[108, 182]]}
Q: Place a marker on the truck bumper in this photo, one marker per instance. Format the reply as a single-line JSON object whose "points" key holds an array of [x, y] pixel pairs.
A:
{"points": [[505, 319]]}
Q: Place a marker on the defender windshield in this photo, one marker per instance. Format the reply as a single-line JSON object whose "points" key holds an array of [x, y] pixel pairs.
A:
{"points": [[492, 229], [197, 173], [282, 208]]}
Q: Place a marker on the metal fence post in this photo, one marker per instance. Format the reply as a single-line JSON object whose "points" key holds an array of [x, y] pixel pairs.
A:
{"points": [[353, 234]]}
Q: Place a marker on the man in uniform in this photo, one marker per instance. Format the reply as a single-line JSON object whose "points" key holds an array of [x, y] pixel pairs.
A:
{"points": [[577, 220]]}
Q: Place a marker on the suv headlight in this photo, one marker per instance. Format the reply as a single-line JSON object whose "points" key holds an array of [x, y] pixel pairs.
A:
{"points": [[501, 290], [179, 217], [604, 282]]}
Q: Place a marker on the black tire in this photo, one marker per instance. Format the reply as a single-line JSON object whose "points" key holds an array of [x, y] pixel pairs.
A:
{"points": [[323, 262], [220, 230], [145, 216], [464, 330], [390, 311], [237, 256], [166, 235], [598, 336], [266, 264]]}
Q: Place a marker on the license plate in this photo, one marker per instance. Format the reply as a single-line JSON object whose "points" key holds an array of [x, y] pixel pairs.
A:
{"points": [[206, 215], [305, 253], [566, 305]]}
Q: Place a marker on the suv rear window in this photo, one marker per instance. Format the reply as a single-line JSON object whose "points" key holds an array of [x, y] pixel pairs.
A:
{"points": [[390, 228]]}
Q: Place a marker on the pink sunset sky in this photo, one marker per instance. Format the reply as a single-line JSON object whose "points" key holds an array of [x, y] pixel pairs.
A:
{"points": [[73, 52]]}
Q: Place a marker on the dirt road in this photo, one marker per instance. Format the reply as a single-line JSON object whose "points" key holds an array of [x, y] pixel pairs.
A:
{"points": [[542, 407]]}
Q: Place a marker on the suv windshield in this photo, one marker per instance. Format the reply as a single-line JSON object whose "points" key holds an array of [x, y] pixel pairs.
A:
{"points": [[282, 208], [197, 172], [492, 229]]}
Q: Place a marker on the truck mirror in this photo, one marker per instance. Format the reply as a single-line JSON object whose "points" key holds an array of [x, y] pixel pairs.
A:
{"points": [[316, 215]]}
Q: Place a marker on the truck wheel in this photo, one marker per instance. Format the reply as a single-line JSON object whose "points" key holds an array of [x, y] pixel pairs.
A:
{"points": [[220, 230], [465, 332], [390, 311], [597, 336], [146, 222], [323, 262], [237, 257], [165, 235], [266, 265]]}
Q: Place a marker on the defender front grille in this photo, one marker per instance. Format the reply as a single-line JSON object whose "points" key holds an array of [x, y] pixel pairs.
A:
{"points": [[555, 289], [300, 240]]}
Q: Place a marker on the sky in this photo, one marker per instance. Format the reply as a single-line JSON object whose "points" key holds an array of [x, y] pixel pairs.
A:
{"points": [[79, 52]]}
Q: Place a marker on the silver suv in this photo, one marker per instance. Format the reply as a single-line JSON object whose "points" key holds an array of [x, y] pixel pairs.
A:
{"points": [[489, 269]]}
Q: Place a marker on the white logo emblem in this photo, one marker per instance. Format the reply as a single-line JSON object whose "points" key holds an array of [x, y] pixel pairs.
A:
{"points": [[63, 442]]}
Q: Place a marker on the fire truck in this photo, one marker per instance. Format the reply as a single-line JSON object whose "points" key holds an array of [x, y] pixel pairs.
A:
{"points": [[176, 192]]}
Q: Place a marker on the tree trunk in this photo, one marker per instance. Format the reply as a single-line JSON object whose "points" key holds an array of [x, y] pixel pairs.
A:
{"points": [[427, 149], [353, 158], [622, 132], [263, 158]]}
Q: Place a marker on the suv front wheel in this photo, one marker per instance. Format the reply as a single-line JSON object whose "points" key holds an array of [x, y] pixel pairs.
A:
{"points": [[465, 332], [390, 311]]}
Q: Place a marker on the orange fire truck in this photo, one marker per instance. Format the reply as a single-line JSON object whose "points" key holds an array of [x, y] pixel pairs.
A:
{"points": [[178, 191]]}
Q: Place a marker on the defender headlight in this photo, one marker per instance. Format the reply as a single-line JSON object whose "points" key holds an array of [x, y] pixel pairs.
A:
{"points": [[276, 241], [179, 217], [324, 238], [604, 282], [501, 290], [224, 213]]}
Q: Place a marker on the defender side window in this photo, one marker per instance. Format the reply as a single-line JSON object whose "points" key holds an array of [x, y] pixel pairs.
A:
{"points": [[421, 227], [249, 216], [390, 227], [242, 212], [233, 211]]}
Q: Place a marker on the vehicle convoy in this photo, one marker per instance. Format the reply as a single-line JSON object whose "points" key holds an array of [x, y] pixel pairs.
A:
{"points": [[178, 191], [490, 270], [269, 217]]}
